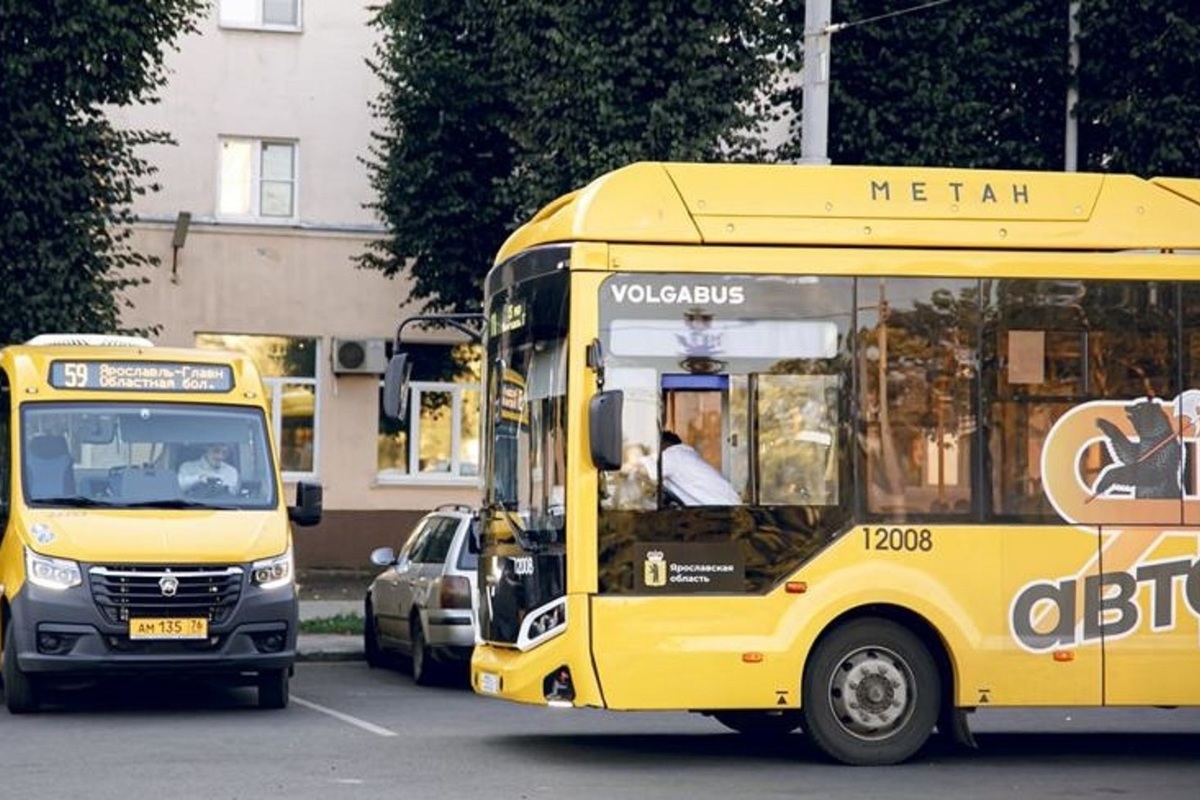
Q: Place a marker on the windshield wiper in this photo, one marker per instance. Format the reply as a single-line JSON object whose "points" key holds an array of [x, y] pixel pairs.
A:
{"points": [[174, 503], [74, 501], [524, 539]]}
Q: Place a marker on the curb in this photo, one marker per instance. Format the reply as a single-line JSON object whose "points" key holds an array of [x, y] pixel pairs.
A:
{"points": [[329, 647]]}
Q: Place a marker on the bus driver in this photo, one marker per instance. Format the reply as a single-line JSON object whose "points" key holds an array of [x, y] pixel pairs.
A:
{"points": [[688, 477], [210, 471]]}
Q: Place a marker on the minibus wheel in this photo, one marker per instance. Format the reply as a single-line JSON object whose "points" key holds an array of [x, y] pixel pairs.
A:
{"points": [[371, 649], [20, 694], [273, 688], [871, 693]]}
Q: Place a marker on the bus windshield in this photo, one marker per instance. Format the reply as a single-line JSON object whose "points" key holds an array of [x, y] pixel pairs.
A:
{"points": [[527, 364], [136, 455]]}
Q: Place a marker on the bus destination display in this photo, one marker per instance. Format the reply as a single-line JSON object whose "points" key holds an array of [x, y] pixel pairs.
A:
{"points": [[141, 376]]}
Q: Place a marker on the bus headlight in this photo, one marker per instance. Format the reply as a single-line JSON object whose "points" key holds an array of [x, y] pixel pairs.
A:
{"points": [[543, 623], [51, 573], [271, 573]]}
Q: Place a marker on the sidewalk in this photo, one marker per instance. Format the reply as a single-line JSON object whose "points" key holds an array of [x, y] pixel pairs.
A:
{"points": [[329, 646]]}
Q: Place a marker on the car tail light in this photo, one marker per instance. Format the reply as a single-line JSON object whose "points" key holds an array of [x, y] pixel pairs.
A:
{"points": [[455, 592]]}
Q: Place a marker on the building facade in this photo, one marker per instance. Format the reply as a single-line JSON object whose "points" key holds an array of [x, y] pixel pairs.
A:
{"points": [[260, 215]]}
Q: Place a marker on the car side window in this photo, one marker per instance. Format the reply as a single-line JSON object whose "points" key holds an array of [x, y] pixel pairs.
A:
{"points": [[439, 539], [468, 555], [416, 543]]}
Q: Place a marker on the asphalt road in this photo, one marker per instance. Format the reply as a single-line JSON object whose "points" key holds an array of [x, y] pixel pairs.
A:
{"points": [[352, 732]]}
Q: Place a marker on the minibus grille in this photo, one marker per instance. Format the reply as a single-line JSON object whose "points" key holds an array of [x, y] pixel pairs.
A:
{"points": [[122, 592]]}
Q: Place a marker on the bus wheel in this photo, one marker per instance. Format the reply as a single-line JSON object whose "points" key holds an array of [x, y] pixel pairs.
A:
{"points": [[759, 723], [20, 694], [273, 688], [870, 694]]}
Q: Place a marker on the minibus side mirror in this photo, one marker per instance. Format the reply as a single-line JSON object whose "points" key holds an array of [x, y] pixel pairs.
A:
{"points": [[604, 428], [307, 510]]}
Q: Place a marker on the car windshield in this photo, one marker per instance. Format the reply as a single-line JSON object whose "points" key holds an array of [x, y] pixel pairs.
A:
{"points": [[136, 455]]}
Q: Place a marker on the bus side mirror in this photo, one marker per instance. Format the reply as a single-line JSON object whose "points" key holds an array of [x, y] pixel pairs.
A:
{"points": [[395, 387], [604, 428], [307, 510]]}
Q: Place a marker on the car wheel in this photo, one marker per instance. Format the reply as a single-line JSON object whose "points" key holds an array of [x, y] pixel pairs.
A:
{"points": [[371, 649], [871, 693], [273, 688], [759, 723], [20, 693], [424, 669]]}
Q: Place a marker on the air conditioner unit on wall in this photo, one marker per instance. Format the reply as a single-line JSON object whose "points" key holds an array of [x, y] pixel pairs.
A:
{"points": [[359, 356]]}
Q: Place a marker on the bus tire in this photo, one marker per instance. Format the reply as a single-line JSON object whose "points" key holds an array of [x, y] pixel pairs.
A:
{"points": [[20, 693], [759, 724], [871, 693]]}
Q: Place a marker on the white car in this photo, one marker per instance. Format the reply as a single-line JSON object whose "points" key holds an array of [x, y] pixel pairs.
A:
{"points": [[422, 606]]}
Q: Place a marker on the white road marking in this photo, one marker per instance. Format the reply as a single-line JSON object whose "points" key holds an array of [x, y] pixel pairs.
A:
{"points": [[369, 727]]}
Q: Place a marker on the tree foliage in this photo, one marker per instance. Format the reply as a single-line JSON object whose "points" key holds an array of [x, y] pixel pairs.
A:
{"points": [[443, 153], [68, 176], [1139, 86], [492, 108], [967, 84], [985, 84]]}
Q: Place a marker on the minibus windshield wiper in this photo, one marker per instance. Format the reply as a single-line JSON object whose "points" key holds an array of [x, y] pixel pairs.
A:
{"points": [[73, 501], [173, 503]]}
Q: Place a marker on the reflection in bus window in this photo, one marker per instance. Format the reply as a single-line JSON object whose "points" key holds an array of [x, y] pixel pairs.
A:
{"points": [[917, 356]]}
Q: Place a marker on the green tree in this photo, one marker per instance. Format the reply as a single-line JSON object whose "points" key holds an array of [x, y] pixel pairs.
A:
{"points": [[605, 84], [1139, 87], [67, 176], [966, 84], [443, 152], [493, 108]]}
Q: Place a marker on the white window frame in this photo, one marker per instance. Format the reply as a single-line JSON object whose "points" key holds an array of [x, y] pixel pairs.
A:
{"points": [[275, 386], [251, 15], [254, 212], [454, 476]]}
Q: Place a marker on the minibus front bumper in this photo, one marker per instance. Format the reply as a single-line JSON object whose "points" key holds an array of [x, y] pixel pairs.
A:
{"points": [[64, 632]]}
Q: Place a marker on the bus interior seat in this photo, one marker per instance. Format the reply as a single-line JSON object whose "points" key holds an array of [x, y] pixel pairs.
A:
{"points": [[50, 470]]}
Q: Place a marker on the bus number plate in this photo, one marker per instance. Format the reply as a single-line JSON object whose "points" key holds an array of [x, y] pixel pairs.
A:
{"points": [[168, 628]]}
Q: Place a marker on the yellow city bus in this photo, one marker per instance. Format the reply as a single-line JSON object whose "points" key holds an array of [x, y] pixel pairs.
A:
{"points": [[143, 527], [959, 408]]}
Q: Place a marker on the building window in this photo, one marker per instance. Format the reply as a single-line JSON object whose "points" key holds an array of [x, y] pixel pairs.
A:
{"points": [[264, 14], [258, 179], [289, 370], [439, 439]]}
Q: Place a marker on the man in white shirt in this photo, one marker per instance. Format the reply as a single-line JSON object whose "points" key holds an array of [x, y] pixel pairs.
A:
{"points": [[688, 477], [210, 473]]}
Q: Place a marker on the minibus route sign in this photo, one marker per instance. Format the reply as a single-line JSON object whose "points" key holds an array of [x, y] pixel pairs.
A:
{"points": [[141, 376]]}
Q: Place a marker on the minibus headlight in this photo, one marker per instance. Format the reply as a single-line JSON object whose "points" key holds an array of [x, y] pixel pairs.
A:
{"points": [[271, 573], [51, 573]]}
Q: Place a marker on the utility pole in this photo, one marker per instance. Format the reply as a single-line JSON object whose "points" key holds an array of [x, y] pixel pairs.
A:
{"points": [[1071, 146], [814, 120]]}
